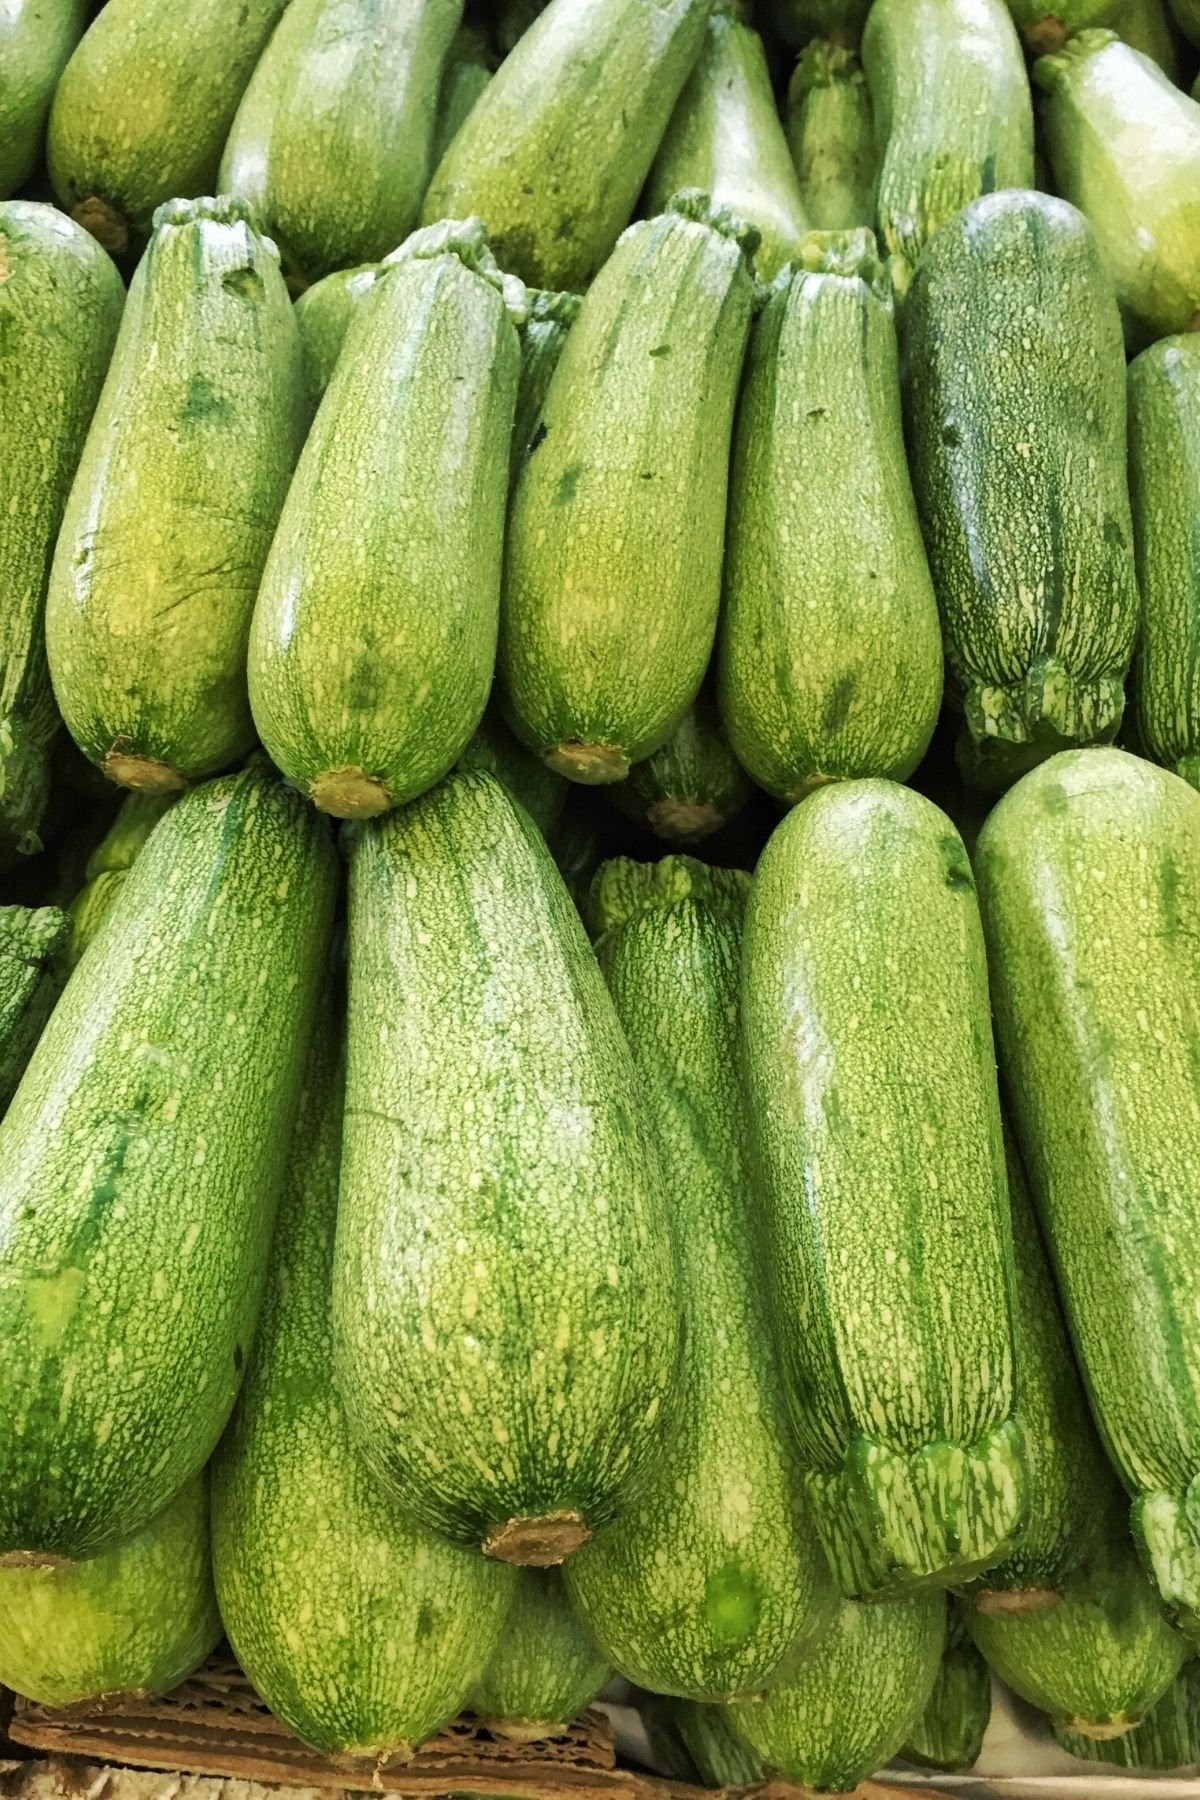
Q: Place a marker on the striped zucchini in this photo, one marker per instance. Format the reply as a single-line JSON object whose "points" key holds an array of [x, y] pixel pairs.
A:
{"points": [[949, 1733], [830, 656], [1089, 875], [169, 1067], [109, 864], [721, 1758], [865, 1000], [464, 78], [797, 21], [33, 942], [505, 1303], [540, 791], [558, 147], [60, 306], [373, 642], [711, 1581], [182, 478], [1168, 1737], [546, 1667], [953, 116], [692, 785], [831, 135], [323, 314], [543, 336], [613, 570], [1014, 361], [36, 39]]}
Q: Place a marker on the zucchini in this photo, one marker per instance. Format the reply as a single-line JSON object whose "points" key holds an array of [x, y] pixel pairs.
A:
{"points": [[949, 1733], [1148, 26], [720, 1757], [109, 864], [558, 147], [1096, 987], [1168, 1737], [516, 17], [546, 1667], [374, 635], [36, 39], [896, 1340], [1186, 14], [796, 21], [830, 655], [323, 314], [129, 1623], [953, 116], [465, 76], [831, 136], [692, 785], [540, 791], [711, 1581], [182, 478], [725, 138], [33, 942], [613, 568], [576, 845], [1144, 209], [169, 1066], [1014, 360], [506, 1374], [543, 336], [331, 148], [60, 306]]}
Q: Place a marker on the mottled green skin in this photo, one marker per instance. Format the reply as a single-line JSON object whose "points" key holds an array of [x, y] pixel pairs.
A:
{"points": [[831, 136], [1038, 596], [1102, 97], [692, 785], [36, 38], [332, 144], [720, 1757], [576, 845], [796, 21], [60, 306], [854, 1699], [138, 1166], [543, 335], [374, 634], [830, 650], [622, 890], [725, 138], [360, 1629], [505, 1296], [617, 528], [177, 494], [953, 116], [1186, 14], [323, 313], [463, 84], [1089, 877], [540, 791], [109, 864], [145, 104], [872, 1087], [32, 970], [546, 1667], [136, 1620], [1167, 1738], [556, 151], [949, 1733], [1147, 25], [712, 1581]]}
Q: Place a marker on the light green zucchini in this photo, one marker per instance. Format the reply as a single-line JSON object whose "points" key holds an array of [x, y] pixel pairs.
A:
{"points": [[36, 39], [556, 150], [1168, 1737], [506, 1371], [373, 642], [721, 1758], [169, 1067], [466, 74], [33, 943], [712, 1581], [865, 1000], [692, 785], [830, 654], [323, 314], [831, 136], [613, 565], [546, 1667], [949, 1733], [540, 791], [60, 306], [543, 336], [796, 21], [109, 864], [182, 478], [1148, 26], [1002, 292]]}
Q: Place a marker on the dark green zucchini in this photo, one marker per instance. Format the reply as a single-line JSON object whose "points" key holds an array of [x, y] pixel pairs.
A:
{"points": [[33, 968], [949, 1733], [545, 1668], [796, 21], [540, 791]]}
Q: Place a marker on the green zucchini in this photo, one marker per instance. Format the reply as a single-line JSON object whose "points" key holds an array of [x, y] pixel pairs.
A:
{"points": [[331, 148], [1045, 25], [692, 785], [144, 106], [865, 999], [720, 1757], [373, 642], [949, 1733], [725, 138], [1168, 1737], [323, 313], [711, 1581], [540, 791], [576, 845], [60, 306], [1002, 292], [507, 1372], [169, 1067], [546, 1667], [182, 478], [953, 116], [516, 17], [1089, 876], [109, 864], [134, 1621], [1186, 14], [36, 39], [464, 79], [830, 655], [796, 21], [831, 136], [854, 1699], [1144, 209], [543, 336], [558, 147], [33, 942], [613, 567], [668, 1755], [1147, 25]]}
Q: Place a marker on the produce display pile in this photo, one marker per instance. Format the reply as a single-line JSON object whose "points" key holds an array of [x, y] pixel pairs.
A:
{"points": [[620, 1090]]}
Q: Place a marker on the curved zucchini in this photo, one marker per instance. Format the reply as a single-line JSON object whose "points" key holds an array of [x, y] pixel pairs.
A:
{"points": [[896, 1340], [831, 135], [797, 21], [720, 1757], [540, 791], [33, 943], [949, 1733], [1168, 1737], [546, 1667], [109, 864], [692, 785], [505, 1373], [36, 40], [169, 1066], [543, 337], [181, 480], [323, 314]]}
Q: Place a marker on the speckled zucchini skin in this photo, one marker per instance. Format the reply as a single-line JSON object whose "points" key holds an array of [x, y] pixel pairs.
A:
{"points": [[721, 1758], [692, 785], [613, 570], [505, 1296], [546, 1667], [33, 944], [540, 791], [830, 652], [171, 512], [949, 1733], [109, 864], [323, 314], [872, 1085], [466, 74], [558, 147], [1089, 875], [543, 336], [1167, 1738], [1038, 596], [36, 39], [169, 1068], [831, 135], [712, 1581], [60, 306]]}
